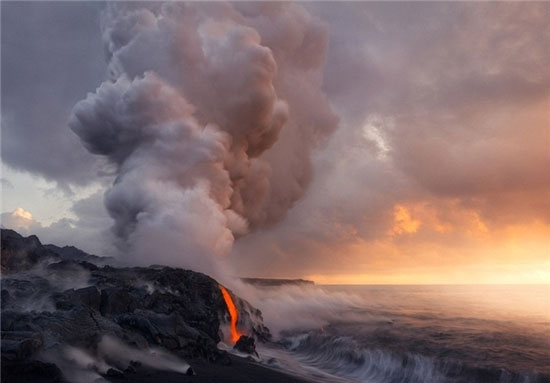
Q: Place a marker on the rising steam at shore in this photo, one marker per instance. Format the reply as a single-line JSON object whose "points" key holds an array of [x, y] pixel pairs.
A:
{"points": [[208, 121]]}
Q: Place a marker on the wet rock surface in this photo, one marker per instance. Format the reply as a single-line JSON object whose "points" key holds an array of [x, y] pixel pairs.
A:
{"points": [[50, 304], [246, 344]]}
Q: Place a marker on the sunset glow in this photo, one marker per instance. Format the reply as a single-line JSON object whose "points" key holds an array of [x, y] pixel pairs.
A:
{"points": [[509, 255], [404, 223], [347, 143], [369, 180]]}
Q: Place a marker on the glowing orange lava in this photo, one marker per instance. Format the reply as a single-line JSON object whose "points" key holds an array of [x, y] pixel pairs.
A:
{"points": [[233, 314]]}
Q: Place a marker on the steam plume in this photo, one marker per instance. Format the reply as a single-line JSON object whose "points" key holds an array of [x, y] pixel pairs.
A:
{"points": [[209, 119], [81, 366]]}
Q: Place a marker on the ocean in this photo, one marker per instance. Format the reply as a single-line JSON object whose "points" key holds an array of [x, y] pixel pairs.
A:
{"points": [[416, 334]]}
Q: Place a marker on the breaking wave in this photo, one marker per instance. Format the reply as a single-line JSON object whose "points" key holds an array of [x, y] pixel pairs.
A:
{"points": [[412, 334], [344, 357]]}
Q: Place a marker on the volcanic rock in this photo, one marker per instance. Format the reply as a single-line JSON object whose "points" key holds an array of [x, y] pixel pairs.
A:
{"points": [[22, 253], [18, 345], [49, 303], [130, 370], [116, 300], [71, 253], [246, 344], [114, 373], [5, 297], [30, 371]]}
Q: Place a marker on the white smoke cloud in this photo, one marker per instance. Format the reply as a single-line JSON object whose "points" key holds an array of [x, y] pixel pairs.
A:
{"points": [[79, 365], [300, 307], [121, 355], [209, 118]]}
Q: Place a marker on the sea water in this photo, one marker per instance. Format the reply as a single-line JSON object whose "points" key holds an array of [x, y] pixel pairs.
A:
{"points": [[448, 334]]}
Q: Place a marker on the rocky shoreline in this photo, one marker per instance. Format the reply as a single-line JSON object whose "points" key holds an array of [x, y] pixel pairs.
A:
{"points": [[65, 319]]}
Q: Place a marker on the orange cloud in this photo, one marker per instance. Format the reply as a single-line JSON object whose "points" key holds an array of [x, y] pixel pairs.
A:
{"points": [[452, 244], [22, 213], [403, 222], [515, 254], [444, 216], [19, 219]]}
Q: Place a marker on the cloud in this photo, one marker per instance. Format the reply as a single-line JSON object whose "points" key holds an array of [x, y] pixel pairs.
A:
{"points": [[89, 230], [51, 56], [403, 222], [6, 184], [442, 105], [19, 219], [209, 119], [441, 108]]}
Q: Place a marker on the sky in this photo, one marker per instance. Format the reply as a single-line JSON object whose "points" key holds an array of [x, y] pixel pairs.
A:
{"points": [[396, 143]]}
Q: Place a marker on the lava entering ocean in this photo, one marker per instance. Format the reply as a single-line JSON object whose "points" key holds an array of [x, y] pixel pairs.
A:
{"points": [[233, 314]]}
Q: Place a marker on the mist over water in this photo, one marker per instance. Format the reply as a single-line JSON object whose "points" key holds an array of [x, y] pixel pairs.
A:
{"points": [[529, 303], [451, 333]]}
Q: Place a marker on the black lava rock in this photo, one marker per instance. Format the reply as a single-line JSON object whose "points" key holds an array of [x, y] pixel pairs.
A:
{"points": [[114, 373], [30, 371], [50, 301], [246, 344]]}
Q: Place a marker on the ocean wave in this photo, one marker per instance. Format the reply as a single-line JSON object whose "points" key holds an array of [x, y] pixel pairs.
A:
{"points": [[344, 357]]}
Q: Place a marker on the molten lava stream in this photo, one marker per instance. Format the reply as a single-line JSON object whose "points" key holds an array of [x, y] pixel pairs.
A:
{"points": [[233, 314]]}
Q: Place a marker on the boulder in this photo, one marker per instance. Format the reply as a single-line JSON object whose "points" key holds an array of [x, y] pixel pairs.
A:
{"points": [[246, 344]]}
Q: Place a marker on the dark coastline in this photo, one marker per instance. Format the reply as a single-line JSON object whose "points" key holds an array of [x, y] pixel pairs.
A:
{"points": [[240, 370], [173, 310]]}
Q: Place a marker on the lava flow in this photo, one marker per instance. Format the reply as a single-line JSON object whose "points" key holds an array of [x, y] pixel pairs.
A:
{"points": [[233, 314]]}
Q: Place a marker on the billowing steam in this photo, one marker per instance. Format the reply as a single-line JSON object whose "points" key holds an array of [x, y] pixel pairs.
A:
{"points": [[209, 119], [294, 307], [79, 365]]}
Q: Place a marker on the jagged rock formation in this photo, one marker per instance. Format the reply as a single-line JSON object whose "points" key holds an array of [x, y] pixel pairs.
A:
{"points": [[71, 253], [246, 344], [49, 302], [22, 253], [19, 253]]}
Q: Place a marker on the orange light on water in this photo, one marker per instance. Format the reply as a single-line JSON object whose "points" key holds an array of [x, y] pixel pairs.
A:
{"points": [[233, 314]]}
